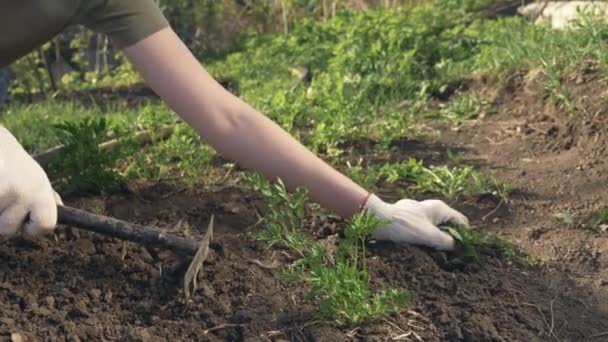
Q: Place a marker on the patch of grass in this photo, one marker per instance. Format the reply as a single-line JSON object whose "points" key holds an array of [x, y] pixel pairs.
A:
{"points": [[343, 287], [598, 219], [567, 218], [462, 108], [81, 166], [34, 124], [285, 213], [339, 282], [472, 241], [594, 222], [182, 158], [444, 180]]}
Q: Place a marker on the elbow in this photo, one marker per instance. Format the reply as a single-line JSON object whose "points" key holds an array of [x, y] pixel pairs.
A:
{"points": [[222, 127]]}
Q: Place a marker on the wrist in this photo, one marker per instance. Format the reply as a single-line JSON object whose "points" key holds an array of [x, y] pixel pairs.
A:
{"points": [[364, 201], [376, 205]]}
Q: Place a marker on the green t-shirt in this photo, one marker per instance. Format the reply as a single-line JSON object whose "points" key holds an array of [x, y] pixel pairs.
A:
{"points": [[27, 24]]}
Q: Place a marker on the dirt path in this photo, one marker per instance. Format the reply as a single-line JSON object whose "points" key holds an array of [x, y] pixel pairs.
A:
{"points": [[86, 287]]}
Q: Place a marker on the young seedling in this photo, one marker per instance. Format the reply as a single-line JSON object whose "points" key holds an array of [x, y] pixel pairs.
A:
{"points": [[471, 241], [597, 221], [567, 218], [82, 166], [343, 288], [339, 280]]}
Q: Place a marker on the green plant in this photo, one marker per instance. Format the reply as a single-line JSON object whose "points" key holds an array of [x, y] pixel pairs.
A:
{"points": [[567, 218], [346, 297], [444, 180], [464, 107], [598, 219], [285, 212], [343, 288], [472, 241], [594, 222], [82, 167], [454, 181], [182, 157], [342, 284]]}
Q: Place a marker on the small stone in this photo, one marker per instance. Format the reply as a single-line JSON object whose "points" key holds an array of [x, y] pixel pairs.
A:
{"points": [[31, 300], [42, 311], [85, 246], [69, 327], [95, 294], [50, 301], [17, 337], [146, 256], [108, 297], [81, 307], [208, 291], [59, 316], [143, 306], [144, 334], [74, 338]]}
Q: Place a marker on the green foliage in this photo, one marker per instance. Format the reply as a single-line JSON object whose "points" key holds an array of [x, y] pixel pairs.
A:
{"points": [[284, 217], [346, 297], [453, 181], [462, 108], [363, 65], [598, 219], [81, 166], [472, 241], [444, 180], [594, 222], [342, 284], [567, 218]]}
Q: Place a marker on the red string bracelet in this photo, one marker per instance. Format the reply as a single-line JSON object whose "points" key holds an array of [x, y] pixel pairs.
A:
{"points": [[362, 206]]}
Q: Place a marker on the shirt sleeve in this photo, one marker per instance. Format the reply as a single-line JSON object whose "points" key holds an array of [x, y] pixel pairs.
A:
{"points": [[125, 22]]}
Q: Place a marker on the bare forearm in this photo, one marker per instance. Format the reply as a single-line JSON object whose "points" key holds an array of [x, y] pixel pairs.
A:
{"points": [[235, 129], [259, 144]]}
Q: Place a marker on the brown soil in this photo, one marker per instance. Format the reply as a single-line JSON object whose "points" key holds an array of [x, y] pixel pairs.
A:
{"points": [[82, 286]]}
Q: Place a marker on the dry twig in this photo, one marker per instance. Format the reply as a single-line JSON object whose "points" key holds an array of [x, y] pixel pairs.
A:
{"points": [[223, 326]]}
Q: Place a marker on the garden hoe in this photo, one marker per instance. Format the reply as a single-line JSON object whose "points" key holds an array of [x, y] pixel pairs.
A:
{"points": [[146, 236]]}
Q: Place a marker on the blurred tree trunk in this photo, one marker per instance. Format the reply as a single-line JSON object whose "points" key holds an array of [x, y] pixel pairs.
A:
{"points": [[4, 83], [47, 67]]}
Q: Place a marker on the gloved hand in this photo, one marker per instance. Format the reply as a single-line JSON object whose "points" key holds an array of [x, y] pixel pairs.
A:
{"points": [[27, 200], [415, 222]]}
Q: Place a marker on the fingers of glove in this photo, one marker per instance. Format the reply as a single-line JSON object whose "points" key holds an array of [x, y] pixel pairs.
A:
{"points": [[58, 199], [43, 216], [12, 219], [439, 212], [420, 233], [406, 203]]}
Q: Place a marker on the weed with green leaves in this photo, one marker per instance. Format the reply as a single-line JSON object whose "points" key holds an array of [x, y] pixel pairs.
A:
{"points": [[596, 221], [340, 282], [81, 166]]}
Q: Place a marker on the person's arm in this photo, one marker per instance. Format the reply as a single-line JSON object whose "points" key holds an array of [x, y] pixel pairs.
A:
{"points": [[233, 128], [244, 135]]}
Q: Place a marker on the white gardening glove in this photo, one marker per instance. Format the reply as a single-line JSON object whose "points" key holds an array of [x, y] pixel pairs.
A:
{"points": [[27, 200], [415, 222]]}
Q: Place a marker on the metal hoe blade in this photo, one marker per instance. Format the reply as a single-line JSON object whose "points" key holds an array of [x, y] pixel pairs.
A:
{"points": [[196, 266], [146, 236]]}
